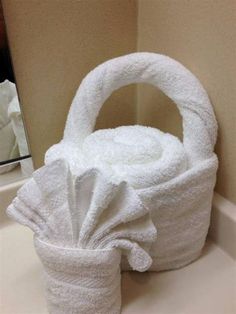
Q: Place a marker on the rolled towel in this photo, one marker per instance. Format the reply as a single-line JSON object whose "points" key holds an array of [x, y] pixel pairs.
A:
{"points": [[140, 155], [174, 180], [81, 281], [83, 224]]}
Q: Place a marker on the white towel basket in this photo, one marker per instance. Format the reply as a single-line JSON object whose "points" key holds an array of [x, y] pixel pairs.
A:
{"points": [[180, 208]]}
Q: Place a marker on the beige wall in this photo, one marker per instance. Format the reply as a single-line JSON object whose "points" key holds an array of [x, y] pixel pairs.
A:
{"points": [[54, 44], [201, 35]]}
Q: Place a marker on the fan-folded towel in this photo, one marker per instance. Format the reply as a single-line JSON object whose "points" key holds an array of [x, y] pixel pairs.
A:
{"points": [[82, 225]]}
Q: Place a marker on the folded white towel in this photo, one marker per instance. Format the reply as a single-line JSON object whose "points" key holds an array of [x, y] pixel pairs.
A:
{"points": [[8, 142], [81, 281], [82, 224], [174, 180], [14, 113], [13, 142]]}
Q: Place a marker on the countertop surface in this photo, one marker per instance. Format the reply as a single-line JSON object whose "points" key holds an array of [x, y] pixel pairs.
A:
{"points": [[207, 286]]}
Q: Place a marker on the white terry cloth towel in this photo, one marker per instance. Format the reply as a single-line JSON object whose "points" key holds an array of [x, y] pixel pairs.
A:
{"points": [[8, 142], [83, 224], [15, 115], [175, 180]]}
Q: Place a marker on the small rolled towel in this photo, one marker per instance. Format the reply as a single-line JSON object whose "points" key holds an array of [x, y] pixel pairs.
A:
{"points": [[81, 281], [143, 156], [83, 224]]}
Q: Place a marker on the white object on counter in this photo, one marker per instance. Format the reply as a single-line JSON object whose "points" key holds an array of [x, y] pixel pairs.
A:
{"points": [[174, 180], [82, 225], [206, 286], [8, 142]]}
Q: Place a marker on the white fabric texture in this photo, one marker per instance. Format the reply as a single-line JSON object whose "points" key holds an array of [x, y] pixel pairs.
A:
{"points": [[8, 142], [77, 283], [14, 113], [82, 225], [174, 180], [99, 193], [13, 142]]}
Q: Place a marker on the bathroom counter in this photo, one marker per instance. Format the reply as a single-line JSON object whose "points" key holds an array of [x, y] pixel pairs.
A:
{"points": [[207, 286]]}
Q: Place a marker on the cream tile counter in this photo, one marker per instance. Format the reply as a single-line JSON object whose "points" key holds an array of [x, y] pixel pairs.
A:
{"points": [[207, 286]]}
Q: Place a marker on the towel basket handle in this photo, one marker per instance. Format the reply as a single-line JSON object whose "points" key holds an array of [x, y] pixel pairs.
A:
{"points": [[171, 77]]}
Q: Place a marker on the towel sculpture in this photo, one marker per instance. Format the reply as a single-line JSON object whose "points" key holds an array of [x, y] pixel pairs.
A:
{"points": [[98, 193]]}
